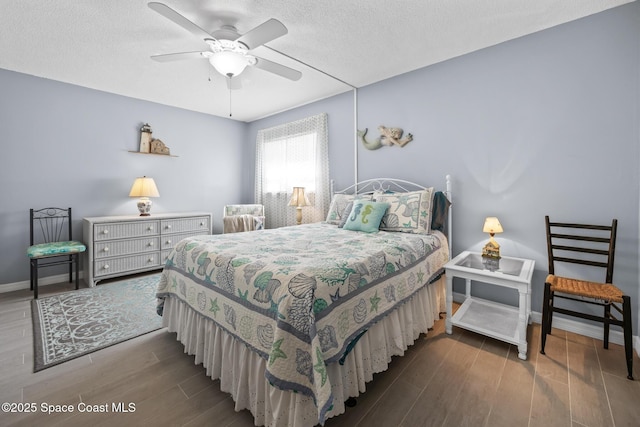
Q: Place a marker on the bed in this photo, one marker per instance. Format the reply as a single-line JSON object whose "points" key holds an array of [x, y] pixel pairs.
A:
{"points": [[294, 321]]}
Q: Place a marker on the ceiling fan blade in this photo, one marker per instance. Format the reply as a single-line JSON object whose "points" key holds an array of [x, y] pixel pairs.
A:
{"points": [[174, 16], [170, 57], [233, 83], [263, 33], [279, 69]]}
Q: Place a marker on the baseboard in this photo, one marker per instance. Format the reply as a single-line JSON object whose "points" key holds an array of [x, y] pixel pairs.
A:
{"points": [[570, 325], [42, 281]]}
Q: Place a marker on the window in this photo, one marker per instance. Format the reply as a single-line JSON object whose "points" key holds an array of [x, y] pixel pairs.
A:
{"points": [[290, 162], [293, 155]]}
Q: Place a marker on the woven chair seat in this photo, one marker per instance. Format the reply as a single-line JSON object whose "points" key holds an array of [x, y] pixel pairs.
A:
{"points": [[601, 291]]}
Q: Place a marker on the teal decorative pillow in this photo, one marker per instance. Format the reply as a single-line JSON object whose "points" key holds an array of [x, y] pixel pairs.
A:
{"points": [[365, 216], [408, 212]]}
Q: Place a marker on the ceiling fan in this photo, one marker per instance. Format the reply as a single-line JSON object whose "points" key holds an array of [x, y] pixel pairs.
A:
{"points": [[229, 50]]}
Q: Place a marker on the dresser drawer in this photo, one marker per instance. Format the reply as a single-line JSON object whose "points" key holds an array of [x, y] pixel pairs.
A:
{"points": [[120, 230], [128, 263], [180, 225], [114, 248], [169, 241]]}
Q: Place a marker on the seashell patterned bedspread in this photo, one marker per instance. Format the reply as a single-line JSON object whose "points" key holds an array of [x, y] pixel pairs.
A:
{"points": [[298, 296]]}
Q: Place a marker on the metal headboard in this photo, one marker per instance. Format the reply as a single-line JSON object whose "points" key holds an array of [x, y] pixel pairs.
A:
{"points": [[379, 184]]}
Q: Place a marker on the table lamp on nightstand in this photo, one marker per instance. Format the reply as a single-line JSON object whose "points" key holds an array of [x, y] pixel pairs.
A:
{"points": [[144, 188], [492, 248]]}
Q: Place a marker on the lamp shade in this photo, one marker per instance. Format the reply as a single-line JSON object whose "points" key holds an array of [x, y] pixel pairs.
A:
{"points": [[144, 187], [298, 198], [492, 225], [228, 63]]}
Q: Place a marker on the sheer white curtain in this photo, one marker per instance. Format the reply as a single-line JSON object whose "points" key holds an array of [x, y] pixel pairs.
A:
{"points": [[295, 154]]}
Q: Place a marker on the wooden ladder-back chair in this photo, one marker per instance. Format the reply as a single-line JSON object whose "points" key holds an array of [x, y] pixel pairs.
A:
{"points": [[51, 243], [590, 245]]}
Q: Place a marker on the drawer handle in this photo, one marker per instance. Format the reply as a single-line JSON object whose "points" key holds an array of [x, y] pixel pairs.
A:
{"points": [[105, 267], [150, 260], [202, 224], [106, 249], [168, 227], [150, 228], [105, 232], [168, 242], [150, 244]]}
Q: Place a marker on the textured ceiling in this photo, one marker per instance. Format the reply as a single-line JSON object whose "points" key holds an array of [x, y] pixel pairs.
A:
{"points": [[106, 44]]}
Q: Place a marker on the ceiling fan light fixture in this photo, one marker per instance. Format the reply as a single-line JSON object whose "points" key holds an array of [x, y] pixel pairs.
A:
{"points": [[228, 63], [229, 50]]}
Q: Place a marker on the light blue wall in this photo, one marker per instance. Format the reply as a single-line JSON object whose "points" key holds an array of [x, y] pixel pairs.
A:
{"points": [[65, 145], [545, 124]]}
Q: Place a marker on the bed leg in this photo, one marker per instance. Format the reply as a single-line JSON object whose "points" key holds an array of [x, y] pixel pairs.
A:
{"points": [[351, 402]]}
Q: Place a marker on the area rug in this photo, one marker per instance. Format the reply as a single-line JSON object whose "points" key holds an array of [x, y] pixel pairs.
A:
{"points": [[76, 323]]}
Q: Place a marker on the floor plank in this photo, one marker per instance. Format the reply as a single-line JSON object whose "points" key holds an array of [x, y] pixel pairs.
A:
{"points": [[550, 404], [624, 396], [511, 403], [475, 400], [437, 399], [589, 400]]}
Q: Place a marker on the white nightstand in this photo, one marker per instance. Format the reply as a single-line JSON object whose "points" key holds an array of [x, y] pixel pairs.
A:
{"points": [[499, 321]]}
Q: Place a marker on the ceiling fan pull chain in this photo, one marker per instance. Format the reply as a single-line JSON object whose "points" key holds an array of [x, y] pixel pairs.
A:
{"points": [[229, 76]]}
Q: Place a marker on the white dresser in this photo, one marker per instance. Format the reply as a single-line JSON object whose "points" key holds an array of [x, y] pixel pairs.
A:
{"points": [[121, 245]]}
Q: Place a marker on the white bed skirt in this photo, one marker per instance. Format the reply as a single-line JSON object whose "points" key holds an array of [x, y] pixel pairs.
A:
{"points": [[241, 371]]}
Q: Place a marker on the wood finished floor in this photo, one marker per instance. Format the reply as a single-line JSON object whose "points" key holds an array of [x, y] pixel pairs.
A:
{"points": [[460, 380]]}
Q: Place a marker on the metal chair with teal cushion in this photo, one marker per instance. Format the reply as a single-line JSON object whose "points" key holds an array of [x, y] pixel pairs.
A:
{"points": [[51, 243]]}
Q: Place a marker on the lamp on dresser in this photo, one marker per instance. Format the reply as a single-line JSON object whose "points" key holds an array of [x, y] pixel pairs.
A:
{"points": [[144, 187]]}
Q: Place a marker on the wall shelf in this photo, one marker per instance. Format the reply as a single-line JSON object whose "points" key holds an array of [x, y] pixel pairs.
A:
{"points": [[153, 154]]}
